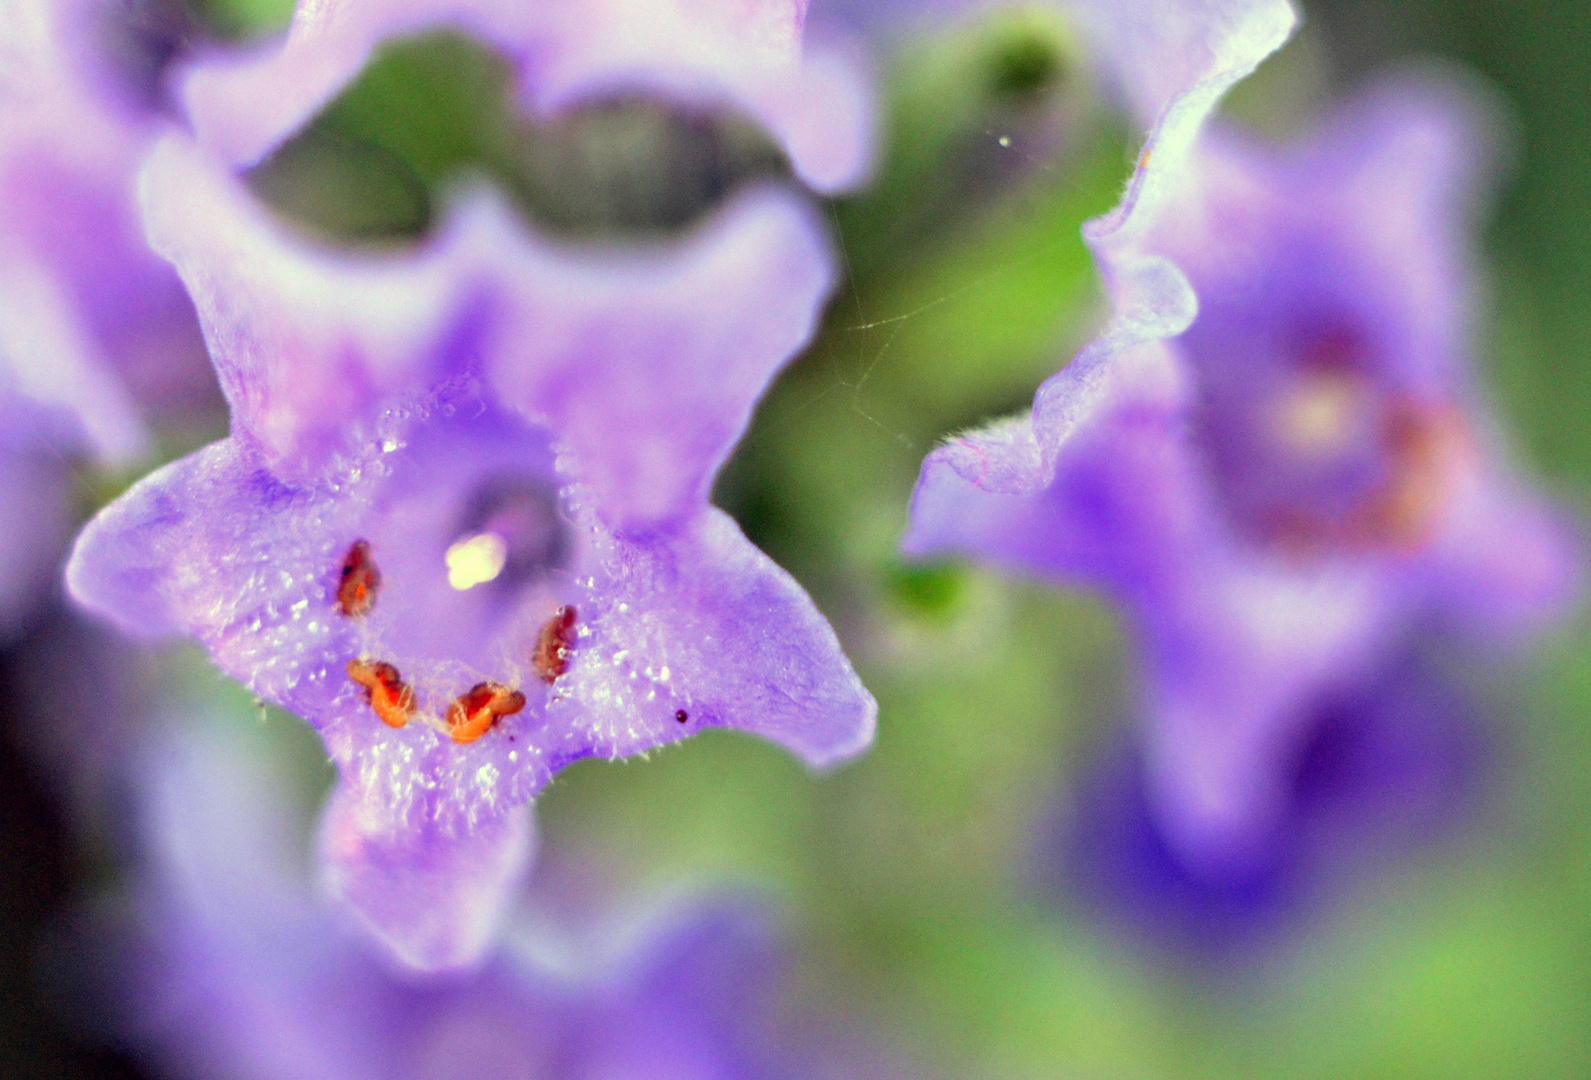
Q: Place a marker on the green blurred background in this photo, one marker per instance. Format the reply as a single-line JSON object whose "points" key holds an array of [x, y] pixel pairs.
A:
{"points": [[908, 875]]}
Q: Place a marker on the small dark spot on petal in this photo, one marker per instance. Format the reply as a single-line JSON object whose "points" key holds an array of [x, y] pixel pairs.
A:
{"points": [[682, 716]]}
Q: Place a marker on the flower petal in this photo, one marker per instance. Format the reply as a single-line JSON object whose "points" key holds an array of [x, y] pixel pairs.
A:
{"points": [[436, 899], [648, 369], [226, 963], [744, 54], [305, 339], [1119, 491], [1175, 60], [707, 631]]}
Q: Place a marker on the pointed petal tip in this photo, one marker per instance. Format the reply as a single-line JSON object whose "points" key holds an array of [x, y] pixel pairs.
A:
{"points": [[860, 719], [105, 575], [433, 901]]}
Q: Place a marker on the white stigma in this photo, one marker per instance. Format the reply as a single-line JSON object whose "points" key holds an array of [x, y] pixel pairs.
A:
{"points": [[1323, 414], [476, 560]]}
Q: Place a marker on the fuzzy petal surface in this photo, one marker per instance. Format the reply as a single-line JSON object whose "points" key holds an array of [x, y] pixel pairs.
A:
{"points": [[673, 650], [649, 372], [436, 899]]}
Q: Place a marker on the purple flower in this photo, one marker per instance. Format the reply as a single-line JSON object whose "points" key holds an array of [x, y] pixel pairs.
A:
{"points": [[1172, 60], [1393, 760], [96, 333], [225, 963], [1297, 486], [461, 523], [91, 320]]}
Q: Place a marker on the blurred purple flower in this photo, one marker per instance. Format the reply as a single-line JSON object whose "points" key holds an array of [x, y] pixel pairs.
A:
{"points": [[226, 964], [1172, 61], [1297, 485], [461, 524], [1391, 761], [96, 333]]}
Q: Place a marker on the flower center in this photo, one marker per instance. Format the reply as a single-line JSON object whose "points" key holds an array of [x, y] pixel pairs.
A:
{"points": [[1323, 413], [1316, 450], [461, 559], [1426, 447], [475, 560], [510, 531]]}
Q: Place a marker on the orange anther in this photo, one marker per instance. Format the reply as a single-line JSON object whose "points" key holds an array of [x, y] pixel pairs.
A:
{"points": [[553, 645], [1425, 447], [390, 697], [360, 581], [473, 714]]}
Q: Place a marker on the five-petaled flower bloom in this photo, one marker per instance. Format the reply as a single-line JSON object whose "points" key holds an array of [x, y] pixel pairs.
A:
{"points": [[1297, 488], [95, 329], [461, 522], [225, 962]]}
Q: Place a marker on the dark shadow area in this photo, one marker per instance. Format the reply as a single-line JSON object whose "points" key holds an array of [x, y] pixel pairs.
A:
{"points": [[39, 878]]}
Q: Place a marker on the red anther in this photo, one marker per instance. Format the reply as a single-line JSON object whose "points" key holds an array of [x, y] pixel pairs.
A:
{"points": [[1425, 448], [553, 645], [390, 697], [472, 714], [356, 590]]}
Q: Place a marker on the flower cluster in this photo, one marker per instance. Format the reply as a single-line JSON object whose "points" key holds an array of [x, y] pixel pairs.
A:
{"points": [[491, 290]]}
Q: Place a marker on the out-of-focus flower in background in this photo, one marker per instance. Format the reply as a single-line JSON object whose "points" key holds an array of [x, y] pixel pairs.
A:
{"points": [[461, 522], [1301, 485], [1390, 762], [226, 961], [97, 336]]}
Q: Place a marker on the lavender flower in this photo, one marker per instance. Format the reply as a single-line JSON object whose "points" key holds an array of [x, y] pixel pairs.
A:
{"points": [[1172, 61], [1392, 761], [95, 330], [226, 964], [1297, 487], [461, 523]]}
